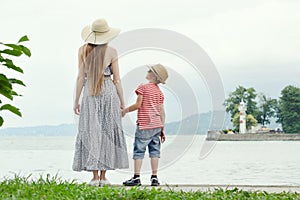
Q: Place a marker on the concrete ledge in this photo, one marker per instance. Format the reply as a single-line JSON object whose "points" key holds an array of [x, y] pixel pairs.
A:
{"points": [[204, 187], [219, 136]]}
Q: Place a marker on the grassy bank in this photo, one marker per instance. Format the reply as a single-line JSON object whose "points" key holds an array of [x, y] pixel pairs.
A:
{"points": [[55, 188]]}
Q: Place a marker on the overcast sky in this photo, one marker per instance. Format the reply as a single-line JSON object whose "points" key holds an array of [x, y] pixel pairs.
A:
{"points": [[252, 43]]}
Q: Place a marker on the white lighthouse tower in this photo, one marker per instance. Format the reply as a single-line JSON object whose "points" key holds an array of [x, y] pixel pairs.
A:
{"points": [[242, 109]]}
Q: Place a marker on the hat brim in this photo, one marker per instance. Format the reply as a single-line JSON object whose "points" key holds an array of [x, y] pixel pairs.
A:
{"points": [[99, 38], [151, 68]]}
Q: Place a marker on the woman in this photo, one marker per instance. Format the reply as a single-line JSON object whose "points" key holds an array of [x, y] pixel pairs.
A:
{"points": [[100, 143]]}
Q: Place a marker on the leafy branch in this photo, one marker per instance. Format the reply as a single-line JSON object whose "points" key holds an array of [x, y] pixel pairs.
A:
{"points": [[6, 84]]}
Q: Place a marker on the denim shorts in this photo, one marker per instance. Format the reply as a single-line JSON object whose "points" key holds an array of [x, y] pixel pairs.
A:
{"points": [[144, 138]]}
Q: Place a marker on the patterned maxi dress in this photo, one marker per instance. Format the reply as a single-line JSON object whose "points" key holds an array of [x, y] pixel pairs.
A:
{"points": [[100, 142]]}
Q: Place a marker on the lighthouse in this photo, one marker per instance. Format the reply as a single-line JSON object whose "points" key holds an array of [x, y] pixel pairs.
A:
{"points": [[242, 109]]}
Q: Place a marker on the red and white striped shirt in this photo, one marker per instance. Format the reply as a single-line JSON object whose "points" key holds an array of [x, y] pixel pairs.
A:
{"points": [[149, 112]]}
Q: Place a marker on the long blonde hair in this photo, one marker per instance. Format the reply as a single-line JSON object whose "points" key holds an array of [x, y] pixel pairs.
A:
{"points": [[93, 57]]}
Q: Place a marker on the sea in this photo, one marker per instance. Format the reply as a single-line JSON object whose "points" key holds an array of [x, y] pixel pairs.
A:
{"points": [[185, 159]]}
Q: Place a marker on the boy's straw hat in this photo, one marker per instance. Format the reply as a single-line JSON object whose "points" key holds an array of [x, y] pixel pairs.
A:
{"points": [[160, 72], [99, 32]]}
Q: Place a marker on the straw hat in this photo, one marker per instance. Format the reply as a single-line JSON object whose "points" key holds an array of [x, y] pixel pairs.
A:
{"points": [[99, 32], [160, 72]]}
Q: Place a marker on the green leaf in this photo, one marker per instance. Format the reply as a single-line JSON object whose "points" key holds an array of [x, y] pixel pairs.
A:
{"points": [[1, 121], [4, 85], [6, 94], [13, 52], [25, 50], [8, 63], [16, 81], [15, 94], [1, 58], [18, 69], [3, 77], [14, 46], [23, 39], [12, 109]]}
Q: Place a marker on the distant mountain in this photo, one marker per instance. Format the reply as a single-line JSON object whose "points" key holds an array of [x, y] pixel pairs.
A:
{"points": [[195, 124], [199, 124], [60, 130]]}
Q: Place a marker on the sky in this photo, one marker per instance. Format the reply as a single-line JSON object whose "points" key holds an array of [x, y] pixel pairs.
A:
{"points": [[251, 43]]}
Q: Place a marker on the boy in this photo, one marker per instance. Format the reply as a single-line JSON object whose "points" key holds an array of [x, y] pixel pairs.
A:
{"points": [[150, 123]]}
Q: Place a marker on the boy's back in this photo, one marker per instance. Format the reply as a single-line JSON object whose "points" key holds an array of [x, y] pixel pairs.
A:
{"points": [[149, 112]]}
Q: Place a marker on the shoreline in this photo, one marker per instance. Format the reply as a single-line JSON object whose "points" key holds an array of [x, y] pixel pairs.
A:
{"points": [[220, 136], [211, 187]]}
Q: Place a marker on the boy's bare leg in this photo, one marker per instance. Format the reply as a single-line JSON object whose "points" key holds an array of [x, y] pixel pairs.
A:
{"points": [[154, 165], [137, 166]]}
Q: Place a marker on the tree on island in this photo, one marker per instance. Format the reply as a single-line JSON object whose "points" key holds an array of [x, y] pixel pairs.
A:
{"points": [[248, 95], [289, 109], [286, 109], [260, 112], [267, 109], [6, 84]]}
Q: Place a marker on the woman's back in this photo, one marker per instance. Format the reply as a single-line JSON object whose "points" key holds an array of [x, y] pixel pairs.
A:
{"points": [[100, 142], [100, 115], [97, 64]]}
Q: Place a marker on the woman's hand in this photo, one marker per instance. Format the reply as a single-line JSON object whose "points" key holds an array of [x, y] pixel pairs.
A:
{"points": [[76, 109], [124, 112]]}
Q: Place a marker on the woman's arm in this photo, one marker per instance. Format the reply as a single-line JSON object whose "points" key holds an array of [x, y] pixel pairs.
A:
{"points": [[116, 78], [79, 82]]}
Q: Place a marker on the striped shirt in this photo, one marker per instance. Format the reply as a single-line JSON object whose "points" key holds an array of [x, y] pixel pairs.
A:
{"points": [[149, 112]]}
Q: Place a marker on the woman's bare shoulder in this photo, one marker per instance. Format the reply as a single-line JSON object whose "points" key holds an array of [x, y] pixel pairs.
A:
{"points": [[112, 53], [112, 50]]}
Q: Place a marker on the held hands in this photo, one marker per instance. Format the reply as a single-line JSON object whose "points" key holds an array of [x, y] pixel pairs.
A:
{"points": [[162, 135], [123, 112], [122, 107]]}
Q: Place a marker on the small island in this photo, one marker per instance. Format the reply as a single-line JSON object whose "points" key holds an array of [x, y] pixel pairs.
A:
{"points": [[250, 118]]}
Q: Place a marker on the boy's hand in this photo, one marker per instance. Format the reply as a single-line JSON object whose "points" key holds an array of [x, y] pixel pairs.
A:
{"points": [[162, 135]]}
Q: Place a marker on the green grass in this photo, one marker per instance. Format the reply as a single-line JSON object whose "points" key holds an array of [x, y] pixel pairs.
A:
{"points": [[55, 188]]}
